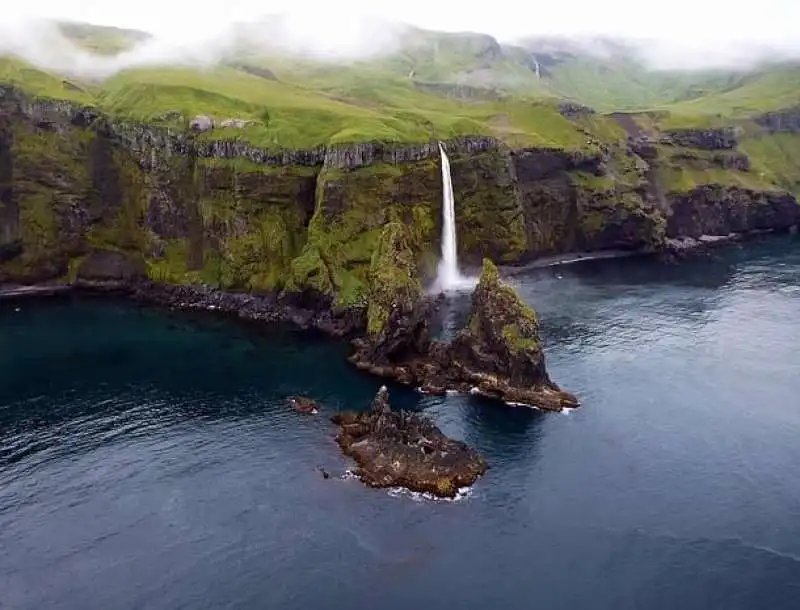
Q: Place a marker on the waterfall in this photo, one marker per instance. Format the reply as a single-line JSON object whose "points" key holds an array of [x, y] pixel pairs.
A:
{"points": [[449, 277]]}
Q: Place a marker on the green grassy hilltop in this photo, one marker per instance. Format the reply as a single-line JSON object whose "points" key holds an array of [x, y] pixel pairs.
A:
{"points": [[435, 85]]}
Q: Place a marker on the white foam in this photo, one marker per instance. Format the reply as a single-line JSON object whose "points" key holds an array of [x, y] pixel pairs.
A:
{"points": [[521, 404], [401, 492]]}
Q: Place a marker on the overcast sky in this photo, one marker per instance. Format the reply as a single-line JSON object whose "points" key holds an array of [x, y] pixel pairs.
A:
{"points": [[713, 21], [692, 33]]}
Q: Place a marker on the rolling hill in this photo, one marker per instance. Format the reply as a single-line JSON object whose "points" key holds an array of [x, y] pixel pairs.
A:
{"points": [[455, 73]]}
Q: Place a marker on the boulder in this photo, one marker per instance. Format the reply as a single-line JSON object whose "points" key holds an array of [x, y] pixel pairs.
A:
{"points": [[304, 405], [201, 123], [573, 110], [403, 449]]}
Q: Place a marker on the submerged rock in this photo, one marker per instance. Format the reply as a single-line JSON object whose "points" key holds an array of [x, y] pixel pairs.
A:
{"points": [[402, 449], [304, 405]]}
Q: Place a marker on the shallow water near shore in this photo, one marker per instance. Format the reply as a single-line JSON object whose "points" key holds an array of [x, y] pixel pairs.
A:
{"points": [[147, 459]]}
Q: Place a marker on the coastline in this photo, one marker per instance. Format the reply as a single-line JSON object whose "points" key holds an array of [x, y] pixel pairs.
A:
{"points": [[315, 312]]}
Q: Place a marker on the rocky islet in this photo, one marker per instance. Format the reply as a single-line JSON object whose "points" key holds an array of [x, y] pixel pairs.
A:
{"points": [[404, 449]]}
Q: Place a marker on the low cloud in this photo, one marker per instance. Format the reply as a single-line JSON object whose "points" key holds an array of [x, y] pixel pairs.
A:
{"points": [[43, 44], [329, 34]]}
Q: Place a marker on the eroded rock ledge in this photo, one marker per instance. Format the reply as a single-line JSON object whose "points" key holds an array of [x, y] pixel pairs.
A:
{"points": [[402, 449], [498, 355]]}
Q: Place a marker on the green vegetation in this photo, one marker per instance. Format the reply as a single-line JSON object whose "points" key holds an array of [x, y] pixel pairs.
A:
{"points": [[516, 341], [392, 276], [678, 179], [367, 236], [504, 313], [775, 159], [351, 210], [411, 95], [768, 89], [103, 40], [40, 83]]}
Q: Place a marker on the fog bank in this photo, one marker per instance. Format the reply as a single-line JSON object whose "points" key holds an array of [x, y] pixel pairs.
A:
{"points": [[711, 35]]}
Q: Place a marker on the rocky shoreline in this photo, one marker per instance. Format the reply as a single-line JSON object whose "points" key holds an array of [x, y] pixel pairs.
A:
{"points": [[305, 314]]}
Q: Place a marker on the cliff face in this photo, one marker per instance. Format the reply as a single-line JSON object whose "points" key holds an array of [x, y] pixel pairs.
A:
{"points": [[224, 213], [578, 202], [716, 210], [786, 121], [77, 186]]}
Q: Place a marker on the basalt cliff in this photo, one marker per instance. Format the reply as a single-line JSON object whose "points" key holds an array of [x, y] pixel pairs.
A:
{"points": [[85, 196]]}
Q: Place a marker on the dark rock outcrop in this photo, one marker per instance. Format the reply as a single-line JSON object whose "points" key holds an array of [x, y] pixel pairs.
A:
{"points": [[498, 355], [304, 314], [534, 164], [406, 450], [259, 71], [459, 91], [706, 139], [573, 110], [787, 120], [304, 405], [723, 159], [678, 248], [396, 314], [500, 352], [718, 210]]}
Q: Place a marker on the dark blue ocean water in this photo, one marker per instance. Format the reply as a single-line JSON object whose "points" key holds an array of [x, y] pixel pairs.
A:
{"points": [[147, 459]]}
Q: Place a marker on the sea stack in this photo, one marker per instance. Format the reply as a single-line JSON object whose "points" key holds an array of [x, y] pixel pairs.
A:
{"points": [[500, 351]]}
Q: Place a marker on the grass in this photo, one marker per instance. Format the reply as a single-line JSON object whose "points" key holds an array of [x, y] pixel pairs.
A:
{"points": [[776, 159], [313, 103], [770, 89], [296, 103], [40, 83], [357, 107], [103, 40], [682, 179]]}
